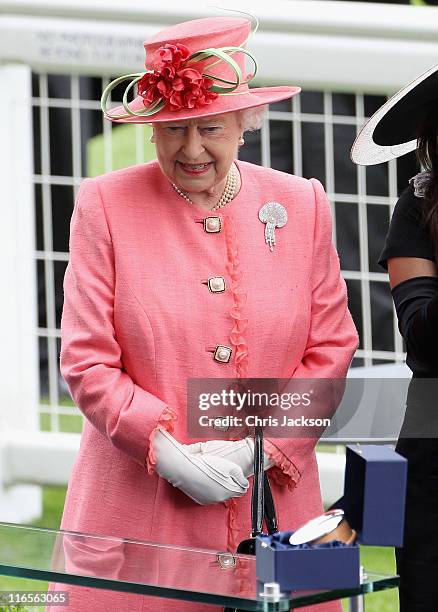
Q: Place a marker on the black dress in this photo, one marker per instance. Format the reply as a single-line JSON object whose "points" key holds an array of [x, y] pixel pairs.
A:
{"points": [[417, 561]]}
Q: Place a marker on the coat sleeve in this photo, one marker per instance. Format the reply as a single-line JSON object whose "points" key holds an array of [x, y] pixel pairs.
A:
{"points": [[90, 359], [332, 338]]}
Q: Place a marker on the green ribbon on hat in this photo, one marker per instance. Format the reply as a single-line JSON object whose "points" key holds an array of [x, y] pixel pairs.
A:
{"points": [[222, 54]]}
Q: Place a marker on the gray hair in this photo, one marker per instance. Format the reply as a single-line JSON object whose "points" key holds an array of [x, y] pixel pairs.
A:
{"points": [[251, 119]]}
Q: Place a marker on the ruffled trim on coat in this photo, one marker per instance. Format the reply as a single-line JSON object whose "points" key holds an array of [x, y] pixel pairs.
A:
{"points": [[284, 473], [166, 421], [237, 337], [242, 575], [232, 543], [238, 341]]}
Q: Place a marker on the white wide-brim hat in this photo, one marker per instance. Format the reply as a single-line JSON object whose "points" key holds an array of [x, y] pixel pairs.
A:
{"points": [[393, 129]]}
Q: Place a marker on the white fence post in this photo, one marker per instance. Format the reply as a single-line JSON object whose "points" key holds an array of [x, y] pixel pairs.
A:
{"points": [[18, 314]]}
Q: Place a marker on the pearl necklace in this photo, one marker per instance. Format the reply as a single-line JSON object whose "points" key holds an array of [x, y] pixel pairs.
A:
{"points": [[227, 194]]}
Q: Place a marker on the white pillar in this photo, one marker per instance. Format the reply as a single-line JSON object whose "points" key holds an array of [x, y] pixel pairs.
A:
{"points": [[19, 381]]}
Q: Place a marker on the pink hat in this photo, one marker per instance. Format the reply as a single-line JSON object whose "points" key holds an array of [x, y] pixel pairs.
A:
{"points": [[194, 69]]}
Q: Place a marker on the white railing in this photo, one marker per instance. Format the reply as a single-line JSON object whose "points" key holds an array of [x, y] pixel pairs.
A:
{"points": [[18, 357], [324, 46], [347, 46]]}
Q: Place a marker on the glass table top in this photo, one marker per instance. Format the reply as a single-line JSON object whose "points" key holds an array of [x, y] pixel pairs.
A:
{"points": [[148, 568]]}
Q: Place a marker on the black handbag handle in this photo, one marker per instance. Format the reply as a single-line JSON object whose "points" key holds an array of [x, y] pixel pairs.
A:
{"points": [[262, 501], [257, 495], [270, 514]]}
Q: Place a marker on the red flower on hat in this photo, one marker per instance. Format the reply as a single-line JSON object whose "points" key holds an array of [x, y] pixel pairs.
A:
{"points": [[180, 86], [171, 54]]}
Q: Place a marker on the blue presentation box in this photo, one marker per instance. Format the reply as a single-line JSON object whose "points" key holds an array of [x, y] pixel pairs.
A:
{"points": [[374, 494], [373, 502]]}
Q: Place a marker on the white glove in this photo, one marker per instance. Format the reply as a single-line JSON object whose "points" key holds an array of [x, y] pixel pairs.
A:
{"points": [[240, 452], [205, 479]]}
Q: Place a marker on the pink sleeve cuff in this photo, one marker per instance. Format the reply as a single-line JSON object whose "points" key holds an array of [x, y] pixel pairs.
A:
{"points": [[166, 421], [284, 472]]}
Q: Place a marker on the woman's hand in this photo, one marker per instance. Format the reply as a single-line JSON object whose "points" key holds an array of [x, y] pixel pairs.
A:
{"points": [[240, 452], [205, 478]]}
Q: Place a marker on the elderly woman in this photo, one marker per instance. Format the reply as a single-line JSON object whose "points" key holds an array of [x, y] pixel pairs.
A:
{"points": [[174, 273]]}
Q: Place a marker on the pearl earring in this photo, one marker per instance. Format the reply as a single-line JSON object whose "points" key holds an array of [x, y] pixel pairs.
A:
{"points": [[152, 139], [241, 141]]}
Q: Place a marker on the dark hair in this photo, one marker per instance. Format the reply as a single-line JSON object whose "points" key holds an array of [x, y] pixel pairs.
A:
{"points": [[427, 155]]}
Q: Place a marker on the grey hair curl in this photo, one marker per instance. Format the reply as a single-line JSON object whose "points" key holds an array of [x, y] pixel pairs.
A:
{"points": [[251, 119]]}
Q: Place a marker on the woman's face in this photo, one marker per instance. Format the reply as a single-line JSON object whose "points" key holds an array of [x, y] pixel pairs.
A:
{"points": [[196, 154]]}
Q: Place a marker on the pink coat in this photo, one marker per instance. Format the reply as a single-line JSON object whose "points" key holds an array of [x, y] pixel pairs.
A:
{"points": [[138, 321]]}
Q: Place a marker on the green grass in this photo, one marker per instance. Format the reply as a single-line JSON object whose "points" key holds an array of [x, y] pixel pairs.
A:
{"points": [[53, 503], [323, 447], [67, 423], [123, 149], [380, 560]]}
